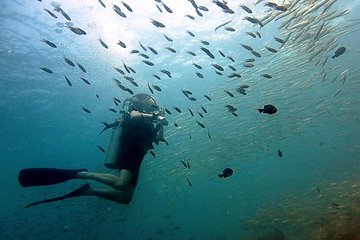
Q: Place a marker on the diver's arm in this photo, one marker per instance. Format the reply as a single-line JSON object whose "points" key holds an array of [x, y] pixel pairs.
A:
{"points": [[136, 114]]}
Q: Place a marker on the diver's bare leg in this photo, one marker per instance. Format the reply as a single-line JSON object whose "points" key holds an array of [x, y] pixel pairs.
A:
{"points": [[123, 197], [120, 182]]}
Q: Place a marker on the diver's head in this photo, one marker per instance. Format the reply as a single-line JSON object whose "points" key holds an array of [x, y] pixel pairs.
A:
{"points": [[144, 103]]}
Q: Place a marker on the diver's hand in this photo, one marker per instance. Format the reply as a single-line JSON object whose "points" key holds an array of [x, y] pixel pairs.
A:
{"points": [[162, 120]]}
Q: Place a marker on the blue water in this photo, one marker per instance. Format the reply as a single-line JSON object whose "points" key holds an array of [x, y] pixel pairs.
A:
{"points": [[311, 192]]}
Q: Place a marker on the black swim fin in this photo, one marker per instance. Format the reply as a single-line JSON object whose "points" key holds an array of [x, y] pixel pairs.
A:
{"points": [[76, 193], [46, 176]]}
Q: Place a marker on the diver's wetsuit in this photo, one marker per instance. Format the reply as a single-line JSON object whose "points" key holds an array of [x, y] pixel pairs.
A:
{"points": [[136, 138]]}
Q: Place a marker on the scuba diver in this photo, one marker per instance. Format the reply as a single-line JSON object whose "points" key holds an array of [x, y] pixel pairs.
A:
{"points": [[132, 137]]}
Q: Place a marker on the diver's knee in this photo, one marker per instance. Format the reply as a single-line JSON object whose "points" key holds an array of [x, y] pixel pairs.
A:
{"points": [[121, 185]]}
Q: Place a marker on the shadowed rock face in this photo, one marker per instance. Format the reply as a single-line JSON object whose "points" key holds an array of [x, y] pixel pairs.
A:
{"points": [[274, 235]]}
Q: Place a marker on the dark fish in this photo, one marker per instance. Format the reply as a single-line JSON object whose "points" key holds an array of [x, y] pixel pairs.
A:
{"points": [[156, 87], [256, 54], [85, 109], [175, 124], [197, 65], [202, 107], [231, 58], [77, 30], [199, 75], [153, 50], [221, 53], [58, 9], [152, 153], [166, 72], [101, 148], [200, 124], [191, 53], [205, 42], [193, 3], [134, 51], [157, 23], [218, 73], [248, 64], [118, 11], [112, 110], [207, 51], [190, 135], [269, 109], [116, 101], [167, 111], [231, 108], [102, 3], [171, 49], [144, 55], [251, 34], [192, 99], [280, 154], [198, 12], [126, 68], [254, 20], [209, 136], [158, 7], [190, 33], [247, 47], [186, 92], [232, 75], [230, 29], [258, 34], [218, 67], [167, 8], [202, 8], [223, 24], [49, 43], [156, 76], [191, 112], [200, 114], [143, 47], [81, 67], [266, 76], [103, 44], [131, 69], [119, 70], [168, 38], [207, 97], [229, 93], [227, 172], [241, 91], [46, 70], [69, 62], [189, 16], [340, 51], [250, 60], [279, 40], [183, 163], [247, 9], [127, 6], [97, 95], [148, 62], [49, 12], [68, 81], [177, 109], [281, 8], [270, 49], [152, 92], [232, 68], [188, 180], [187, 164], [85, 81], [121, 44]]}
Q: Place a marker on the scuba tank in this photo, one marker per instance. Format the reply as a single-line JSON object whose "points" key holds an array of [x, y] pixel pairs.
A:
{"points": [[111, 159]]}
